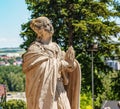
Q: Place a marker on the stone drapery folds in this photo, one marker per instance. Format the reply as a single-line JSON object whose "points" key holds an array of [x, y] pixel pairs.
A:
{"points": [[45, 70]]}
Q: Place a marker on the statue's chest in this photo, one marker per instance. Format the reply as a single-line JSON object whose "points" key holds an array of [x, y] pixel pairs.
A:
{"points": [[52, 51]]}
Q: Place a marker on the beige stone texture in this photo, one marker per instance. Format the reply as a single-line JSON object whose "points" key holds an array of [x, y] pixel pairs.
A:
{"points": [[53, 77]]}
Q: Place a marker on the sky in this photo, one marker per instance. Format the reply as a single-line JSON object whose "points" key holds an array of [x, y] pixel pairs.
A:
{"points": [[13, 13]]}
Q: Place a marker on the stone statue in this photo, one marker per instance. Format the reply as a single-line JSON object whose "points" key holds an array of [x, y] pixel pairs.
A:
{"points": [[52, 76]]}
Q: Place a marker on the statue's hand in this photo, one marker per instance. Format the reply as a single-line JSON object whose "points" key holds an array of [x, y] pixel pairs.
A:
{"points": [[70, 56]]}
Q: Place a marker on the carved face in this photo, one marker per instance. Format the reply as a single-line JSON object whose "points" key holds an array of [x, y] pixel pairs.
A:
{"points": [[42, 24]]}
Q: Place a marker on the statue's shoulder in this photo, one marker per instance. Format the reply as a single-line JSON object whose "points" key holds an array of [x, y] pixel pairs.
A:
{"points": [[34, 46], [56, 45]]}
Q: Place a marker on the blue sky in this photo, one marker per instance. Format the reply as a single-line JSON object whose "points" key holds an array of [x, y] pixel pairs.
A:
{"points": [[13, 13]]}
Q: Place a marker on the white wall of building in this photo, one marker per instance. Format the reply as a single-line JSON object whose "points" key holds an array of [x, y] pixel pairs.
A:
{"points": [[115, 64]]}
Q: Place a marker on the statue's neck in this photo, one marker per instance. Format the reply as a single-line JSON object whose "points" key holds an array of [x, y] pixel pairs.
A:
{"points": [[44, 41]]}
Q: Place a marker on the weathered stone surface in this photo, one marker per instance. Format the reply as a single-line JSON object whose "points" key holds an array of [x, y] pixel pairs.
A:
{"points": [[53, 77]]}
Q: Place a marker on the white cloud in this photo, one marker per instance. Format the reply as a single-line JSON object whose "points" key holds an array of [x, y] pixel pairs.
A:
{"points": [[10, 42]]}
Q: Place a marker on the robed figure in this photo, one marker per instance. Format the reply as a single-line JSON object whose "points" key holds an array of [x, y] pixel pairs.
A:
{"points": [[53, 77]]}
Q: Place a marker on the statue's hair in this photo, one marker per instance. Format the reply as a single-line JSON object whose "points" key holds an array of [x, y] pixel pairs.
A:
{"points": [[41, 23]]}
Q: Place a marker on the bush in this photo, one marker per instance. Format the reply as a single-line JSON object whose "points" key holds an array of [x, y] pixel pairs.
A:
{"points": [[86, 101], [14, 104]]}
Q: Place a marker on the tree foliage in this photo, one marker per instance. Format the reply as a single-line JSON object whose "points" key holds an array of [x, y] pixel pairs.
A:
{"points": [[12, 77], [80, 23]]}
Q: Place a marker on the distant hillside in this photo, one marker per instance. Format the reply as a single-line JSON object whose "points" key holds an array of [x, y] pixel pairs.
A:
{"points": [[11, 50]]}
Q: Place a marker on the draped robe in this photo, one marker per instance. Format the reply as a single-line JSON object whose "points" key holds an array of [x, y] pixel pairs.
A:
{"points": [[45, 88]]}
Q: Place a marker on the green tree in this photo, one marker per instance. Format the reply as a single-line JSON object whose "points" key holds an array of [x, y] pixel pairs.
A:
{"points": [[11, 61], [116, 85], [79, 23], [15, 82], [12, 77]]}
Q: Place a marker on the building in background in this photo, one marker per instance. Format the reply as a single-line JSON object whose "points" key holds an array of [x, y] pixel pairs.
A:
{"points": [[2, 92], [111, 105], [115, 64], [11, 56]]}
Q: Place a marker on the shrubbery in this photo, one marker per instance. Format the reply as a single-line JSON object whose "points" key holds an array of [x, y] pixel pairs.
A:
{"points": [[86, 101], [14, 104]]}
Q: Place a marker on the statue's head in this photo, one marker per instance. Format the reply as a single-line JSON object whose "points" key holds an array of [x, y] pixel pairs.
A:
{"points": [[41, 24]]}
